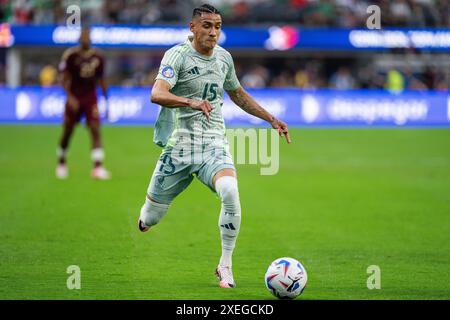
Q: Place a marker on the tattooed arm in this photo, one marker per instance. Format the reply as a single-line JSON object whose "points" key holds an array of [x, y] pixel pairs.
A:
{"points": [[245, 101]]}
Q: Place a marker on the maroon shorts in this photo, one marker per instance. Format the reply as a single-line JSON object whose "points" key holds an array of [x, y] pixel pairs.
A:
{"points": [[87, 108]]}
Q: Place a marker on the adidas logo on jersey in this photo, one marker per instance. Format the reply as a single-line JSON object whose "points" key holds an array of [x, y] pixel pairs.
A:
{"points": [[194, 70]]}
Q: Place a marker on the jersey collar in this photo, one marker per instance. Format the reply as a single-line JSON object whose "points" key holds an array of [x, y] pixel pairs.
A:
{"points": [[189, 43]]}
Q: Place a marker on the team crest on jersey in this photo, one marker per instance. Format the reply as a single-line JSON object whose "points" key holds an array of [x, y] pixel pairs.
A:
{"points": [[168, 72]]}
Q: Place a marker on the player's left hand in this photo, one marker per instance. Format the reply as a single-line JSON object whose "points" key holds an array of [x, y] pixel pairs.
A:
{"points": [[282, 128]]}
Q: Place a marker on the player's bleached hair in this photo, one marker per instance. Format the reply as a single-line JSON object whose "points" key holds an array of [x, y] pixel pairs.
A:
{"points": [[204, 8]]}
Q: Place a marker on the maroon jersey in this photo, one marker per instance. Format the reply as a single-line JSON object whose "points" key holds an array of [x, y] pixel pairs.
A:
{"points": [[85, 68]]}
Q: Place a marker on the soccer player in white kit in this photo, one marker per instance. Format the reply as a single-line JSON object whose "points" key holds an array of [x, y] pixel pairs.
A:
{"points": [[190, 127]]}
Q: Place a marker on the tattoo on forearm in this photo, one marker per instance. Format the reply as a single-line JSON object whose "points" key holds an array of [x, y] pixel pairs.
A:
{"points": [[247, 103]]}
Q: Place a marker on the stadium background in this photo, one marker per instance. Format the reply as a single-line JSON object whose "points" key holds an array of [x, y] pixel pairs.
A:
{"points": [[353, 190]]}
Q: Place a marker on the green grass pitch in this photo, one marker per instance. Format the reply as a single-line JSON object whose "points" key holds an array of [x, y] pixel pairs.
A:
{"points": [[344, 199]]}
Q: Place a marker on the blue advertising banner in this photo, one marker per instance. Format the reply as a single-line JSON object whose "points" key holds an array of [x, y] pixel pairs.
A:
{"points": [[272, 38], [132, 106]]}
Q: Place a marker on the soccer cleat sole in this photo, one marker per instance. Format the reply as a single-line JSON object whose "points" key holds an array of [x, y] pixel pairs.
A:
{"points": [[96, 177]]}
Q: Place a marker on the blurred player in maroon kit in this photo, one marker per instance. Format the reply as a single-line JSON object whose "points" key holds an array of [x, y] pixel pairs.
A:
{"points": [[82, 69]]}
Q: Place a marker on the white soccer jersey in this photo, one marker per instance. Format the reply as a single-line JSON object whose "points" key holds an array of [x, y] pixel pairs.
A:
{"points": [[195, 76]]}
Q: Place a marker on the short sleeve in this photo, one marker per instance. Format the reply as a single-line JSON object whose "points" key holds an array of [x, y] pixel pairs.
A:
{"points": [[231, 81], [170, 67], [66, 61]]}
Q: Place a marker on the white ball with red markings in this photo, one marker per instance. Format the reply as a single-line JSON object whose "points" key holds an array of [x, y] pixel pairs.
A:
{"points": [[286, 278]]}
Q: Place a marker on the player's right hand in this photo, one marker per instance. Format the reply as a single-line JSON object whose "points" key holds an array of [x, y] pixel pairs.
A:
{"points": [[73, 103], [202, 105]]}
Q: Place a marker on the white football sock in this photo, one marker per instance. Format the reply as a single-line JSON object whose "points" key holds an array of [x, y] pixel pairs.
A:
{"points": [[230, 216], [225, 259], [97, 155], [61, 153], [152, 212]]}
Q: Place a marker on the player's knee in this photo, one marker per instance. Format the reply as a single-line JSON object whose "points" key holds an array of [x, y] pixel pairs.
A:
{"points": [[152, 212], [227, 189], [94, 128], [69, 124]]}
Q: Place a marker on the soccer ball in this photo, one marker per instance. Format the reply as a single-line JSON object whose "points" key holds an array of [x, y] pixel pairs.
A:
{"points": [[286, 278]]}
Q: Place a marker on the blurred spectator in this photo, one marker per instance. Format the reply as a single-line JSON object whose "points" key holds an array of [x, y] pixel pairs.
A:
{"points": [[395, 81], [418, 18], [43, 12], [23, 11], [298, 4], [112, 10], [31, 71], [257, 77], [2, 74], [365, 76], [131, 13], [152, 15], [400, 12], [320, 13], [239, 14], [443, 8], [283, 80], [342, 79], [430, 77], [48, 75], [413, 81], [443, 81], [303, 79]]}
